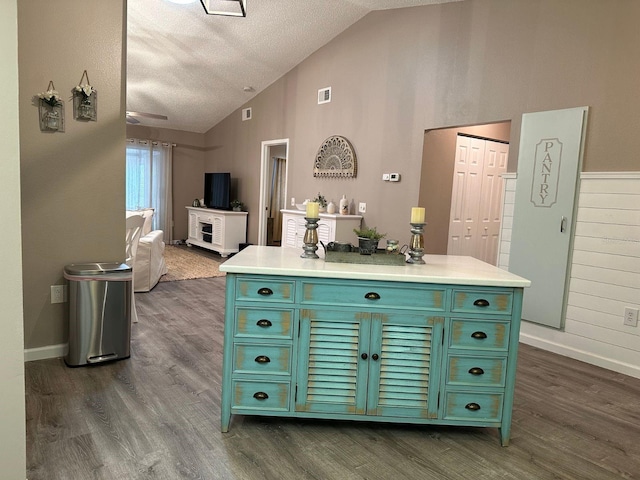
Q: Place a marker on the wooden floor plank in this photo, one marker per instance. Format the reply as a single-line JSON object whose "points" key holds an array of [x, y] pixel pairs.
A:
{"points": [[157, 416]]}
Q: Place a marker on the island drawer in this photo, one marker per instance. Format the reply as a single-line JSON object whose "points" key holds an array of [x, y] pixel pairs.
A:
{"points": [[482, 301], [262, 359], [263, 290], [264, 323], [482, 407], [260, 396], [479, 334], [480, 371], [373, 295]]}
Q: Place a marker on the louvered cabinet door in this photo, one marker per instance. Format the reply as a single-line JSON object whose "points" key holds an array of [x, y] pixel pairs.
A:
{"points": [[404, 365], [332, 375]]}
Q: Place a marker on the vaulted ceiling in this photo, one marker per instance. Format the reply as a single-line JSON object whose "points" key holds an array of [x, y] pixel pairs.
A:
{"points": [[194, 67]]}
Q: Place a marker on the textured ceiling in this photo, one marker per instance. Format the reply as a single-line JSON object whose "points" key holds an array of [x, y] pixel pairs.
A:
{"points": [[192, 67]]}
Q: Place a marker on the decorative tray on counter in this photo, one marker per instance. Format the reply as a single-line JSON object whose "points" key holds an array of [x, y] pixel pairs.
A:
{"points": [[380, 258]]}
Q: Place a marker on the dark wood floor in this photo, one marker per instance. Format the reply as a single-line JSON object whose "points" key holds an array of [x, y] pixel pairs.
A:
{"points": [[157, 416]]}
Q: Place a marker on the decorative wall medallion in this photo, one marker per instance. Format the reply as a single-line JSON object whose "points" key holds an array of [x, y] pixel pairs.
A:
{"points": [[335, 158]]}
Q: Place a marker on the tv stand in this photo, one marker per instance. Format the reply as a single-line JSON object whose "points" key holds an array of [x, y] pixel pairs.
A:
{"points": [[219, 230]]}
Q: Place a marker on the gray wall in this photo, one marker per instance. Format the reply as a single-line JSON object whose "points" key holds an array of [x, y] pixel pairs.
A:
{"points": [[397, 73], [72, 182]]}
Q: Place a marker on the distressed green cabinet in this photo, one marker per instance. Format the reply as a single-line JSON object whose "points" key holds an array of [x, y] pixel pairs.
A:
{"points": [[333, 347]]}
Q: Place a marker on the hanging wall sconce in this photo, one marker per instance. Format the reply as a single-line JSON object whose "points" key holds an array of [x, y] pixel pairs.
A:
{"points": [[85, 100], [231, 8], [51, 110]]}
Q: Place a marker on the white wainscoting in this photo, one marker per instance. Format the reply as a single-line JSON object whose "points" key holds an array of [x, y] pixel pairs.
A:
{"points": [[605, 274]]}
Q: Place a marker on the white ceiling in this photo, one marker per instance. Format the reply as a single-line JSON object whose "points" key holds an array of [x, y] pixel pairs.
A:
{"points": [[193, 67]]}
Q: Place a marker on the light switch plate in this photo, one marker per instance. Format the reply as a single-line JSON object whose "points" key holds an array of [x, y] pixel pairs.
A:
{"points": [[394, 177]]}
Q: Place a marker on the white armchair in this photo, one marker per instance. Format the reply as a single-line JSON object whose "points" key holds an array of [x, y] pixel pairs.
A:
{"points": [[149, 263]]}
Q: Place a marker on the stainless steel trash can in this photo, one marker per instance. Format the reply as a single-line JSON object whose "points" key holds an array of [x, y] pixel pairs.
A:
{"points": [[99, 312]]}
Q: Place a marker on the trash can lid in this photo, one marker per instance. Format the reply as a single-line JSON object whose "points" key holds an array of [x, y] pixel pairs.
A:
{"points": [[96, 268]]}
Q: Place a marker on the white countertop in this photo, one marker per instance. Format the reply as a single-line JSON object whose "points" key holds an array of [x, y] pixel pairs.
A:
{"points": [[444, 269]]}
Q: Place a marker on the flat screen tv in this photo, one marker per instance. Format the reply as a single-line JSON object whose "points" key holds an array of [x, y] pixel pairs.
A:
{"points": [[217, 188]]}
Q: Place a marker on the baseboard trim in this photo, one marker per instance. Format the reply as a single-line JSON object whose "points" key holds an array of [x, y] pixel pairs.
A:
{"points": [[42, 353], [576, 354]]}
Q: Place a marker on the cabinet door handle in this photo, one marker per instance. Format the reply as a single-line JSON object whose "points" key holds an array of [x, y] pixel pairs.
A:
{"points": [[472, 406], [481, 302], [364, 356], [479, 335], [260, 396], [262, 359], [372, 296], [264, 291], [476, 371], [375, 356], [263, 322]]}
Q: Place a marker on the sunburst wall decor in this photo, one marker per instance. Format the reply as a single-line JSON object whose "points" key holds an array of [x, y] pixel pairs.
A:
{"points": [[335, 158]]}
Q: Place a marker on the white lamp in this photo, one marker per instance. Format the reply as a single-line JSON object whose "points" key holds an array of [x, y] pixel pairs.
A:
{"points": [[232, 8]]}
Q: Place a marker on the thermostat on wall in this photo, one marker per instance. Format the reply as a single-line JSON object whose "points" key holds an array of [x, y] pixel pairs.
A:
{"points": [[394, 177]]}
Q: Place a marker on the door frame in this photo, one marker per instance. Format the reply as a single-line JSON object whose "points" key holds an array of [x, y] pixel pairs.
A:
{"points": [[264, 183]]}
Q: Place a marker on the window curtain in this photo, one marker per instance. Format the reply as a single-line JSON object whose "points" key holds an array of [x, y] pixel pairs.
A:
{"points": [[148, 177]]}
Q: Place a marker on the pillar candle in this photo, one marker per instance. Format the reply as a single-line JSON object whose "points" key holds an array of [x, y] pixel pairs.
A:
{"points": [[313, 209], [417, 215]]}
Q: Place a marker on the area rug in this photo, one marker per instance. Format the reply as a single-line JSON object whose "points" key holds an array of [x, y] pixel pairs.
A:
{"points": [[186, 263]]}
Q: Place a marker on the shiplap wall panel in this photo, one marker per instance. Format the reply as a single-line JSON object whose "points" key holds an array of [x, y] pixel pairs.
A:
{"points": [[605, 274], [621, 263]]}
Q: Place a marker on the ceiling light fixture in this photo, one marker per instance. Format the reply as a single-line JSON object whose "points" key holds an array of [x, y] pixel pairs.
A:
{"points": [[231, 8]]}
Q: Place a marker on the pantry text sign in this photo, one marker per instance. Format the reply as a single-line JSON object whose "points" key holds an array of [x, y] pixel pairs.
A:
{"points": [[546, 172]]}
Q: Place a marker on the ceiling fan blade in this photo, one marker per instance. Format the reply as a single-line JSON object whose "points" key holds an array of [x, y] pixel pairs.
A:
{"points": [[147, 115]]}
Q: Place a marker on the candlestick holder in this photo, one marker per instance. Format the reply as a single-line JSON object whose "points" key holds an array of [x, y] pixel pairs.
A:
{"points": [[416, 244], [310, 238]]}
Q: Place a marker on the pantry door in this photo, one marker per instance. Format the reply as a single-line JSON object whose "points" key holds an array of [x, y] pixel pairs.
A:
{"points": [[549, 163]]}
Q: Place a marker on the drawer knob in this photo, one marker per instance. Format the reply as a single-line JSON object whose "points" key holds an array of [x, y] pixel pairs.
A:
{"points": [[364, 356], [472, 406], [476, 371], [260, 396], [372, 296], [375, 356], [263, 322], [479, 335], [264, 291], [262, 359], [481, 302]]}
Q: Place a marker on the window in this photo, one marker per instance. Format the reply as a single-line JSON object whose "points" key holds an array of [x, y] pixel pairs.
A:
{"points": [[148, 182]]}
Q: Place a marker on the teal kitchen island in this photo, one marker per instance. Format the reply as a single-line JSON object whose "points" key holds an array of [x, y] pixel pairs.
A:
{"points": [[432, 344]]}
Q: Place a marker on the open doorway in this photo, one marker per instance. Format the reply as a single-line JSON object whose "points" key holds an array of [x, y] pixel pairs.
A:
{"points": [[273, 190], [438, 193]]}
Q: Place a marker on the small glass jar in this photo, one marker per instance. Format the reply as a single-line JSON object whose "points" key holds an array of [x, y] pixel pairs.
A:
{"points": [[392, 246]]}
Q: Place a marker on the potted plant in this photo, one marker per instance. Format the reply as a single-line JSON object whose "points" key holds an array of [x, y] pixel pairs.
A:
{"points": [[322, 201], [368, 239], [236, 205]]}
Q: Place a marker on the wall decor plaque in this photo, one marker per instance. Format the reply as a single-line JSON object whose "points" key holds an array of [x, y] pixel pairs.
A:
{"points": [[335, 158]]}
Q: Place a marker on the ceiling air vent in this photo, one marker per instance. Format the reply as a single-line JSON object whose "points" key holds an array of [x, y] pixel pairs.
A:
{"points": [[324, 95], [246, 114]]}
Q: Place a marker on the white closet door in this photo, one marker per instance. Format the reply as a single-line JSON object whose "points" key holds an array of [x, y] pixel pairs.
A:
{"points": [[496, 157], [476, 199], [467, 182]]}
